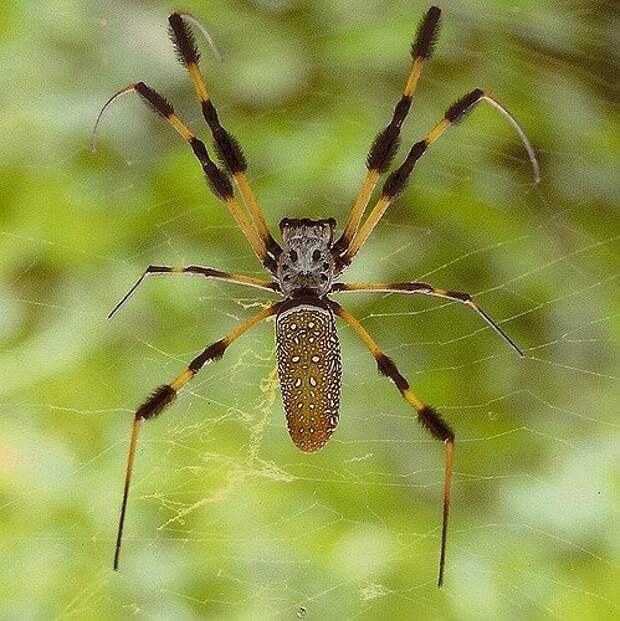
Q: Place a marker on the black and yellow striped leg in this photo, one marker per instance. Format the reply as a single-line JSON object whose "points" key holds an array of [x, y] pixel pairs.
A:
{"points": [[165, 395], [386, 142], [426, 289], [427, 417], [227, 146], [207, 272], [217, 179], [398, 180]]}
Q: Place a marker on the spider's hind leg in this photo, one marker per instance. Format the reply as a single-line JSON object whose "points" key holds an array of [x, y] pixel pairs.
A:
{"points": [[164, 395], [427, 417]]}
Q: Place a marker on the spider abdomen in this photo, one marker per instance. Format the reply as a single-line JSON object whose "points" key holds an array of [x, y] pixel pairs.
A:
{"points": [[310, 371]]}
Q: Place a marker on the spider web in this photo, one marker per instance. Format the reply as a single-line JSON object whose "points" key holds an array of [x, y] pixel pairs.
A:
{"points": [[227, 520]]}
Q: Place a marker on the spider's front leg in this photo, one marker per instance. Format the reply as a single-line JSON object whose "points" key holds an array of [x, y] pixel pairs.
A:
{"points": [[427, 417], [426, 289], [386, 143], [227, 147], [165, 394]]}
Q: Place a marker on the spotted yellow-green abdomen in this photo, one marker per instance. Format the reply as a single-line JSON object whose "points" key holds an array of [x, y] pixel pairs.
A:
{"points": [[310, 372]]}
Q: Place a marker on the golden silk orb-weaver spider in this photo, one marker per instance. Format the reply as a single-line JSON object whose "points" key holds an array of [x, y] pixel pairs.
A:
{"points": [[306, 265]]}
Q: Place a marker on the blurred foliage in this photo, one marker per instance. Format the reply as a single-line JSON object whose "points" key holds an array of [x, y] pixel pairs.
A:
{"points": [[351, 532]]}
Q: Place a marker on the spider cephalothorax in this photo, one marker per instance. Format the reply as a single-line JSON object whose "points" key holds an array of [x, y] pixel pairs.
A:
{"points": [[306, 263], [305, 267]]}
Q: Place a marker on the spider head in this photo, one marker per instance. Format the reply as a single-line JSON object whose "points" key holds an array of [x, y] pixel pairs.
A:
{"points": [[306, 262]]}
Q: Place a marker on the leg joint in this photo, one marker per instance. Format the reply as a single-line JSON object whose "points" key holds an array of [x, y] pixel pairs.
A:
{"points": [[158, 269], [210, 114], [155, 404], [204, 271], [459, 108], [213, 352], [229, 151], [460, 296], [412, 287], [383, 149], [435, 424], [388, 368]]}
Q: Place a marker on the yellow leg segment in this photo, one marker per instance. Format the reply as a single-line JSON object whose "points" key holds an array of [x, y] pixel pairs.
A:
{"points": [[249, 198], [414, 76], [363, 233], [199, 84], [439, 129], [375, 350], [183, 130], [178, 382], [361, 202]]}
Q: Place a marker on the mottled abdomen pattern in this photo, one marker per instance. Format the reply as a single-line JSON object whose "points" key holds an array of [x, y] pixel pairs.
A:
{"points": [[310, 373]]}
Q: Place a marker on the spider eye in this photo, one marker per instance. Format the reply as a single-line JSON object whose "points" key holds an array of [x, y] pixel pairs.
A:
{"points": [[316, 255], [293, 255]]}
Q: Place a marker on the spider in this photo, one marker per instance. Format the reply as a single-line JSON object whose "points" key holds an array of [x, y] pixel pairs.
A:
{"points": [[306, 265]]}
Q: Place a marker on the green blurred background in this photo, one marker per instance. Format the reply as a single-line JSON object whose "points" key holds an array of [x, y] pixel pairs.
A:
{"points": [[227, 519]]}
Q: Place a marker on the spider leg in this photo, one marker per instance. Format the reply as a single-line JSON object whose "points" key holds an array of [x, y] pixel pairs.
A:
{"points": [[165, 394], [207, 272], [386, 142], [227, 147], [427, 417], [426, 289], [218, 180], [398, 180]]}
